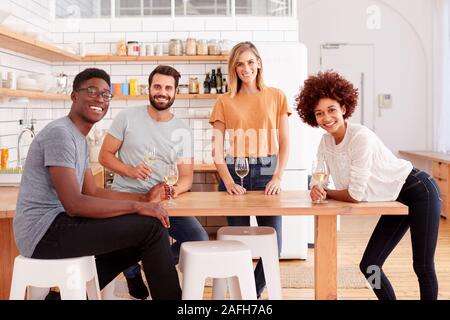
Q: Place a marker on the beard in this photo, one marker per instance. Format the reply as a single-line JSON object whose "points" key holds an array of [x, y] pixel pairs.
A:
{"points": [[161, 106]]}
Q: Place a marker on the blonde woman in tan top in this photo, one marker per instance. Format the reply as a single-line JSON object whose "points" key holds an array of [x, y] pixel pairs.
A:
{"points": [[255, 117]]}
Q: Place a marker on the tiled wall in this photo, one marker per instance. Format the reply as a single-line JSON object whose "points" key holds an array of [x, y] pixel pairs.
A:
{"points": [[100, 36]]}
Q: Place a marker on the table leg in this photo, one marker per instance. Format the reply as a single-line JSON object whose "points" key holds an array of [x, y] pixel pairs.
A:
{"points": [[8, 251], [325, 262]]}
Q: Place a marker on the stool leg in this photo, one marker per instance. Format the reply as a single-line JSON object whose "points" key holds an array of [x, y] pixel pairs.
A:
{"points": [[271, 266], [37, 293], [235, 289], [219, 288], [93, 289], [18, 289], [193, 286], [108, 291], [247, 285]]}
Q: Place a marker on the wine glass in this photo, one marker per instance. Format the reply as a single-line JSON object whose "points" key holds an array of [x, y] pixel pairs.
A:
{"points": [[320, 174], [241, 168], [150, 156], [171, 178]]}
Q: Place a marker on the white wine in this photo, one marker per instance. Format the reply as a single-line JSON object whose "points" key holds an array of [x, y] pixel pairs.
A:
{"points": [[171, 180], [321, 178], [242, 172], [150, 160]]}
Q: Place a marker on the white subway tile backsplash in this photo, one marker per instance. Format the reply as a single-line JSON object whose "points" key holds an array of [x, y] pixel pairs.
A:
{"points": [[204, 35], [237, 36], [141, 36], [78, 37], [98, 48], [125, 25], [126, 70], [166, 36], [220, 24], [108, 37], [268, 36], [148, 67], [190, 68], [157, 24], [252, 23], [194, 24], [95, 25], [283, 24]]}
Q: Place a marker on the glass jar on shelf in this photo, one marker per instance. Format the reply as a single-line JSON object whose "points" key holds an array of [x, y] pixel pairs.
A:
{"points": [[213, 47], [193, 85], [191, 47], [183, 89], [225, 47], [175, 47], [202, 47]]}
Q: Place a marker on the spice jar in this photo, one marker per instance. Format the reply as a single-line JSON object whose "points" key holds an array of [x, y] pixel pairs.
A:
{"points": [[191, 47], [175, 47], [213, 47], [132, 48], [183, 88], [202, 47], [193, 85]]}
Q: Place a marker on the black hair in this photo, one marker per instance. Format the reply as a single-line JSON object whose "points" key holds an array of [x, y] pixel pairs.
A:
{"points": [[89, 74]]}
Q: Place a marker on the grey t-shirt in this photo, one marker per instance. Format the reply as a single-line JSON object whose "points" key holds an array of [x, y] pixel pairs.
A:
{"points": [[59, 144], [138, 131]]}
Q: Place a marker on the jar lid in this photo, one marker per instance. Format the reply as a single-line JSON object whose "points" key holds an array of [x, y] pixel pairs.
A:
{"points": [[132, 42]]}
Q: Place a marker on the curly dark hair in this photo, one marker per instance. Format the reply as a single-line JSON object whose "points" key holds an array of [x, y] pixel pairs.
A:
{"points": [[328, 84]]}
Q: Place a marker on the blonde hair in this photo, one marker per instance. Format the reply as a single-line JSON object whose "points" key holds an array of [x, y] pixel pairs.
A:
{"points": [[234, 83]]}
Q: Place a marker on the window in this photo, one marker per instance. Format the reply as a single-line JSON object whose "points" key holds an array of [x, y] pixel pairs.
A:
{"points": [[276, 8], [202, 7], [141, 8], [74, 9], [69, 9]]}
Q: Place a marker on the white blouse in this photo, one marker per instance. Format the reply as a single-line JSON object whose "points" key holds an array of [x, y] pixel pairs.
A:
{"points": [[362, 164]]}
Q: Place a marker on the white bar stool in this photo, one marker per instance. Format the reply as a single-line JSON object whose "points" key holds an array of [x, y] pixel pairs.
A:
{"points": [[263, 244], [70, 275], [217, 259]]}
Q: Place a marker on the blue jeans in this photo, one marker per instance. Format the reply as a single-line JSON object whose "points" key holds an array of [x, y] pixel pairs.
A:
{"points": [[261, 172], [422, 196], [181, 229]]}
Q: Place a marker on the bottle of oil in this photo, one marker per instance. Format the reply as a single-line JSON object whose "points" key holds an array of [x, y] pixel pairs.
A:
{"points": [[207, 84], [213, 82], [219, 81]]}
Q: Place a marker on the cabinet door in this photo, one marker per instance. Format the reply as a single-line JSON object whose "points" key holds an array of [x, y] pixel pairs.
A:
{"points": [[440, 170]]}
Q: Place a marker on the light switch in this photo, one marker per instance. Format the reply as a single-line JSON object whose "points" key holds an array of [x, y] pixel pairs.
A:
{"points": [[384, 100]]}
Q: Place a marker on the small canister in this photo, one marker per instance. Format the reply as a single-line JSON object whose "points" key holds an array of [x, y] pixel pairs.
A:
{"points": [[159, 49], [183, 88], [202, 47], [132, 48], [12, 80], [191, 47], [175, 47], [150, 50], [193, 85], [133, 87]]}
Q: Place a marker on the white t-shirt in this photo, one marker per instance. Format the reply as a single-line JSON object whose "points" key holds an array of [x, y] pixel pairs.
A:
{"points": [[362, 164]]}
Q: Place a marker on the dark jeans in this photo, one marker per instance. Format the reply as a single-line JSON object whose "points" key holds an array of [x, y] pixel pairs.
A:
{"points": [[117, 243], [259, 175], [181, 229], [422, 196]]}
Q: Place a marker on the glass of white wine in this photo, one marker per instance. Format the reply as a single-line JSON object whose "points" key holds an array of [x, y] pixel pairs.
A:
{"points": [[171, 178], [320, 174], [241, 167], [150, 156]]}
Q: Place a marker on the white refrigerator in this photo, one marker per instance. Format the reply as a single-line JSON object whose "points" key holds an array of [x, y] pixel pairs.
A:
{"points": [[285, 67]]}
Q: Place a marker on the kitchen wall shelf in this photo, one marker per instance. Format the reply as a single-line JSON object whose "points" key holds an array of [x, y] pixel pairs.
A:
{"points": [[55, 96], [39, 95], [26, 45], [111, 58]]}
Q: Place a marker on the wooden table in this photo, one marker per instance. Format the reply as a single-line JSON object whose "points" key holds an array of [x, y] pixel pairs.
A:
{"points": [[440, 171], [221, 204]]}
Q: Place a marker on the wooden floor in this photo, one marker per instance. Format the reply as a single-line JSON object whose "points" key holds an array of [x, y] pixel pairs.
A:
{"points": [[352, 239]]}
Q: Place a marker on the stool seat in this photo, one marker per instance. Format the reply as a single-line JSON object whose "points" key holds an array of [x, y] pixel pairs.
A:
{"points": [[263, 244], [216, 259], [75, 278]]}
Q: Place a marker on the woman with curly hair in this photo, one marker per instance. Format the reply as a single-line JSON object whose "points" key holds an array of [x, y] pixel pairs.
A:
{"points": [[364, 169]]}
